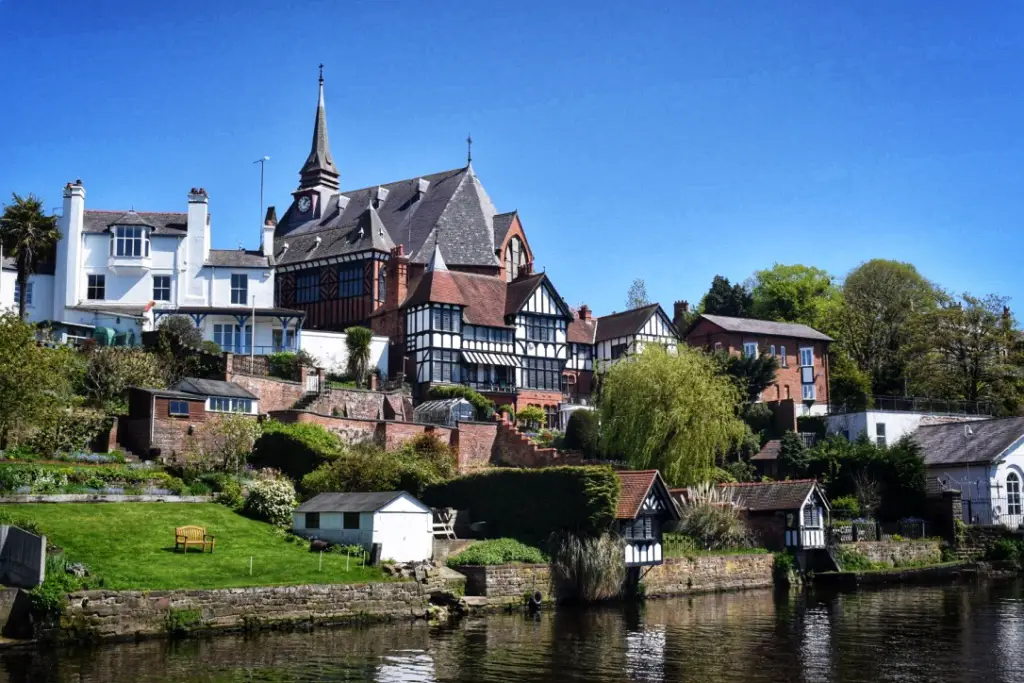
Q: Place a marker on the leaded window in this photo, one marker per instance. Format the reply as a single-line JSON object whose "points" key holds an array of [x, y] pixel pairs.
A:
{"points": [[542, 373], [447, 319], [541, 329], [350, 280], [382, 285], [1013, 505], [515, 258], [307, 287], [444, 366]]}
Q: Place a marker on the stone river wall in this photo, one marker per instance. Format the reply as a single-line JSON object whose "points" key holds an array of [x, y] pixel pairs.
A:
{"points": [[709, 574], [898, 553]]}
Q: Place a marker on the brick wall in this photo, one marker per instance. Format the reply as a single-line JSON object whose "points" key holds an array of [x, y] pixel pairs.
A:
{"points": [[397, 433], [350, 403], [507, 580], [474, 442], [511, 447], [709, 573], [351, 430], [274, 394]]}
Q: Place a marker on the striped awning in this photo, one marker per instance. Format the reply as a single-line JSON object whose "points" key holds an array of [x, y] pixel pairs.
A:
{"points": [[482, 358]]}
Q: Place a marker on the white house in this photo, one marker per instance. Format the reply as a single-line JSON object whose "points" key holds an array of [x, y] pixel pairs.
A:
{"points": [[125, 270], [886, 427], [984, 460], [401, 524]]}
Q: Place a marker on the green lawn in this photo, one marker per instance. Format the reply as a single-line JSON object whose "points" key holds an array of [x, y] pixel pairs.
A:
{"points": [[131, 545]]}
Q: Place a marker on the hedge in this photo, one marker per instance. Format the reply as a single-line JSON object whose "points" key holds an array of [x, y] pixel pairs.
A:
{"points": [[498, 551], [529, 504], [583, 433], [57, 478], [295, 449], [484, 406]]}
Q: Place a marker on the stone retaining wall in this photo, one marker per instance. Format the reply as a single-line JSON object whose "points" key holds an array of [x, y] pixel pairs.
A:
{"points": [[896, 553], [507, 580], [708, 574], [100, 498], [114, 614]]}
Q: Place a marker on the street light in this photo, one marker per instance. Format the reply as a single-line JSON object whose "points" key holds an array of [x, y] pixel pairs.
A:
{"points": [[262, 162]]}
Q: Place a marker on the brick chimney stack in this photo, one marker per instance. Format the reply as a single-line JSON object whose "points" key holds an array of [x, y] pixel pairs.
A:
{"points": [[585, 313], [680, 313], [397, 277]]}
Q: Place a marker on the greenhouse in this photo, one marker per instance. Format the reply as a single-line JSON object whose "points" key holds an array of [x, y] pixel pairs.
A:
{"points": [[444, 412]]}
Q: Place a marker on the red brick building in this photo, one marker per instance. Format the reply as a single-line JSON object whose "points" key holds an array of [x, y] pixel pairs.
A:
{"points": [[801, 352]]}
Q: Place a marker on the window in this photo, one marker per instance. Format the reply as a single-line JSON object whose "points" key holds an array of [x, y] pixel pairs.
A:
{"points": [[515, 258], [619, 350], [718, 346], [178, 408], [783, 362], [97, 287], [350, 279], [17, 293], [1013, 506], [233, 338], [350, 521], [222, 404], [161, 288], [444, 366], [130, 241], [811, 516], [312, 520], [880, 434], [283, 340], [771, 350], [382, 285], [809, 392], [447, 319], [307, 287], [494, 334], [806, 356], [541, 329], [239, 288], [750, 349], [542, 373]]}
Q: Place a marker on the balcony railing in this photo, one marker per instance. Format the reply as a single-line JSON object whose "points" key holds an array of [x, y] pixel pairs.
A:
{"points": [[492, 387], [244, 349], [911, 404]]}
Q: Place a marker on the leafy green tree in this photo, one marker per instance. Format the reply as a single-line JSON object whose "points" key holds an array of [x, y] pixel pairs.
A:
{"points": [[637, 297], [33, 384], [794, 457], [881, 301], [27, 234], [112, 370], [182, 330], [224, 443], [531, 416], [727, 299], [357, 341], [796, 294], [670, 411], [849, 386], [751, 375], [583, 433]]}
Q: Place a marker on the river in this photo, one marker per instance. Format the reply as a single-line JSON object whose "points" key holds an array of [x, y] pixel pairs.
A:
{"points": [[968, 634]]}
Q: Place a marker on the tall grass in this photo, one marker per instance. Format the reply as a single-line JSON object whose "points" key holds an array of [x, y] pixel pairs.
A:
{"points": [[710, 517], [586, 569]]}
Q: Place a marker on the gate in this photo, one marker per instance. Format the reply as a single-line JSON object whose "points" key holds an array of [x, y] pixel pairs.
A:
{"points": [[312, 383]]}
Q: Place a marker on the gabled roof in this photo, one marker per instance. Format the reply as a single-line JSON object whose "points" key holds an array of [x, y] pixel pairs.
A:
{"points": [[485, 296], [636, 485], [436, 286], [237, 258], [766, 328], [131, 218], [502, 224], [624, 324], [171, 224], [961, 443], [770, 451], [354, 502], [582, 331], [771, 495], [212, 387], [520, 291]]}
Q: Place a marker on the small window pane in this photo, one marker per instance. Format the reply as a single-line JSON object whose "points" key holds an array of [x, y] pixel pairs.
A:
{"points": [[351, 520], [312, 520], [179, 408], [239, 288]]}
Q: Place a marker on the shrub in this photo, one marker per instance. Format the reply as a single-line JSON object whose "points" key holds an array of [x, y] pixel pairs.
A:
{"points": [[111, 370], [741, 470], [283, 364], [357, 343], [583, 433], [430, 449], [586, 568], [295, 449], [710, 518], [1007, 551], [498, 551], [484, 406], [52, 478], [852, 561], [271, 500], [531, 416], [845, 507], [783, 567], [181, 329], [231, 495], [67, 432], [369, 468], [530, 504]]}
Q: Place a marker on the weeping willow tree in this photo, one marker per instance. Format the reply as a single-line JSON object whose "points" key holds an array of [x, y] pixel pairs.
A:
{"points": [[669, 411]]}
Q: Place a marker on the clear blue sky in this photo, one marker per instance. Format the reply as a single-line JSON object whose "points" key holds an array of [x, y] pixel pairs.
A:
{"points": [[669, 141]]}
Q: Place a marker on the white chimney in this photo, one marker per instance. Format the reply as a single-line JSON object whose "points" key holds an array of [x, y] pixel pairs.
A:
{"points": [[380, 195], [269, 225], [67, 282], [198, 239]]}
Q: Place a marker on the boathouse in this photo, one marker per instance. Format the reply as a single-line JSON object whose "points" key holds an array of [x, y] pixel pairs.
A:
{"points": [[644, 506]]}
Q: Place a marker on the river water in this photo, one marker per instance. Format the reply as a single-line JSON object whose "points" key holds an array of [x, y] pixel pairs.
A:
{"points": [[967, 634]]}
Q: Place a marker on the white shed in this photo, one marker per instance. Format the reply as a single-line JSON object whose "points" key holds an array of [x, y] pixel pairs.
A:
{"points": [[402, 525]]}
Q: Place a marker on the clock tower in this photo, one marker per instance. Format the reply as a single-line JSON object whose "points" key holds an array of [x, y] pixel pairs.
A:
{"points": [[318, 178]]}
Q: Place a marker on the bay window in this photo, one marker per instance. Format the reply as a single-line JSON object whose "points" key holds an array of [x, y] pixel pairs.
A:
{"points": [[131, 241]]}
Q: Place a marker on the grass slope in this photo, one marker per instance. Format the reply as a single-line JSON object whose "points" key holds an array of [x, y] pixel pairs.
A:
{"points": [[131, 545]]}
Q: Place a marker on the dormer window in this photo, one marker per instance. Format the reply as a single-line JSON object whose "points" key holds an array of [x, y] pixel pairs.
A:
{"points": [[129, 241], [515, 258]]}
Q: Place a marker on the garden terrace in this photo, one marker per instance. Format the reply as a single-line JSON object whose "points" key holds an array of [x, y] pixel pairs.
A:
{"points": [[114, 479], [132, 547]]}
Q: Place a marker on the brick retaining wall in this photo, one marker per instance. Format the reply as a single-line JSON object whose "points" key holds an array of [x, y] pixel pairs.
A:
{"points": [[708, 574]]}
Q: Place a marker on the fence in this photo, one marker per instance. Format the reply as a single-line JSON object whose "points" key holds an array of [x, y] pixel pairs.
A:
{"points": [[872, 530], [911, 404], [257, 366], [995, 510]]}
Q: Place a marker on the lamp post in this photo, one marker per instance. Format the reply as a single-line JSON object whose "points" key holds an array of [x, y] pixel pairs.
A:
{"points": [[262, 162]]}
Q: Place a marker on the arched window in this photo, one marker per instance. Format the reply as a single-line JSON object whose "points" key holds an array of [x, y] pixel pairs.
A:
{"points": [[382, 285], [1013, 494], [515, 258]]}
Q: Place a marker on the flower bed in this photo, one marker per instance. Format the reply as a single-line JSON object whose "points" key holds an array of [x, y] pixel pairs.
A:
{"points": [[110, 479]]}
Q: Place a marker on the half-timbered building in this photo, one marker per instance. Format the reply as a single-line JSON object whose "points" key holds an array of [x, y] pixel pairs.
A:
{"points": [[620, 335], [645, 505]]}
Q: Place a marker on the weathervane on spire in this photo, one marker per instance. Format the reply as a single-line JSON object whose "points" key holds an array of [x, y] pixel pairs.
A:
{"points": [[321, 74], [469, 149]]}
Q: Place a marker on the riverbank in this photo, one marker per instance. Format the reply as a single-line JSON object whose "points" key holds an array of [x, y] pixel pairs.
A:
{"points": [[945, 573]]}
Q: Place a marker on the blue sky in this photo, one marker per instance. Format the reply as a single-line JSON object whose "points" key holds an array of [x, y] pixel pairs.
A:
{"points": [[669, 141]]}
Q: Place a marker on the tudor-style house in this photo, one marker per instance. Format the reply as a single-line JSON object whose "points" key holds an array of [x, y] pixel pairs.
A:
{"points": [[801, 352], [621, 335], [117, 273]]}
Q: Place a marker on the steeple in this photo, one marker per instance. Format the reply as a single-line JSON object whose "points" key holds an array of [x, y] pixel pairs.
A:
{"points": [[436, 260], [319, 169]]}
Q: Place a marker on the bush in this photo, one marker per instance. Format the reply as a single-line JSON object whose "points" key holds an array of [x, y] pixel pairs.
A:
{"points": [[531, 416], [498, 551], [710, 518], [845, 507], [369, 468], [286, 364], [852, 561], [1006, 551], [586, 568], [783, 567], [741, 470], [812, 424], [181, 329], [295, 449], [271, 500], [530, 504], [484, 406], [67, 432], [583, 433], [54, 478], [231, 495]]}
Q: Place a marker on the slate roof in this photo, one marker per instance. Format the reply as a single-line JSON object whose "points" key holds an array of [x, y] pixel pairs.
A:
{"points": [[212, 387], [766, 328], [46, 267], [582, 331], [624, 324], [635, 486], [237, 258], [770, 451], [949, 444], [350, 502], [172, 224], [771, 495], [502, 224], [168, 393], [520, 290]]}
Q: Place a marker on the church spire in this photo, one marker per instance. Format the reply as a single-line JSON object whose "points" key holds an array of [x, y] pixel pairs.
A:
{"points": [[319, 168]]}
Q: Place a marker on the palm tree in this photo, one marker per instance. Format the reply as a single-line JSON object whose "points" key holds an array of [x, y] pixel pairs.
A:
{"points": [[358, 339], [26, 233]]}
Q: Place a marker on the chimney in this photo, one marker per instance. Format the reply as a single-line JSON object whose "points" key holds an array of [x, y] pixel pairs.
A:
{"points": [[397, 278], [198, 243], [67, 286], [269, 224], [421, 187], [525, 270], [585, 313], [680, 311], [380, 195]]}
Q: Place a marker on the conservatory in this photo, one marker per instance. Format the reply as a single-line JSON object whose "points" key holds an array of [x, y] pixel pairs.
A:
{"points": [[444, 412]]}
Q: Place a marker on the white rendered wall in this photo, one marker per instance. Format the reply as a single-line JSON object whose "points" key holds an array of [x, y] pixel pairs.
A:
{"points": [[330, 351]]}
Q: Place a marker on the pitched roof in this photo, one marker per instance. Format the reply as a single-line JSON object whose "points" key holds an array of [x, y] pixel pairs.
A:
{"points": [[436, 286], [635, 486], [952, 444], [172, 224], [770, 451], [520, 290], [767, 328], [485, 296], [319, 167], [212, 387], [624, 324], [502, 224], [237, 258], [352, 502], [771, 495], [582, 331]]}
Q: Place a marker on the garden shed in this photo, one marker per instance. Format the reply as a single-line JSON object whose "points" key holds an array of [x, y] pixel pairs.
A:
{"points": [[402, 525], [785, 514], [445, 412]]}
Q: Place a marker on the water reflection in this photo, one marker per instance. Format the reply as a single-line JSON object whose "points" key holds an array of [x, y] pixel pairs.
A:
{"points": [[969, 634]]}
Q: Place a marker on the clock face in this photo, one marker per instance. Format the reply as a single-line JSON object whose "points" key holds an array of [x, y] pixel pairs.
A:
{"points": [[304, 204]]}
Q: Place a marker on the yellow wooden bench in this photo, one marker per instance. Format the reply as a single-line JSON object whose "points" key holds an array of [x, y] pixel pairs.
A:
{"points": [[184, 536]]}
